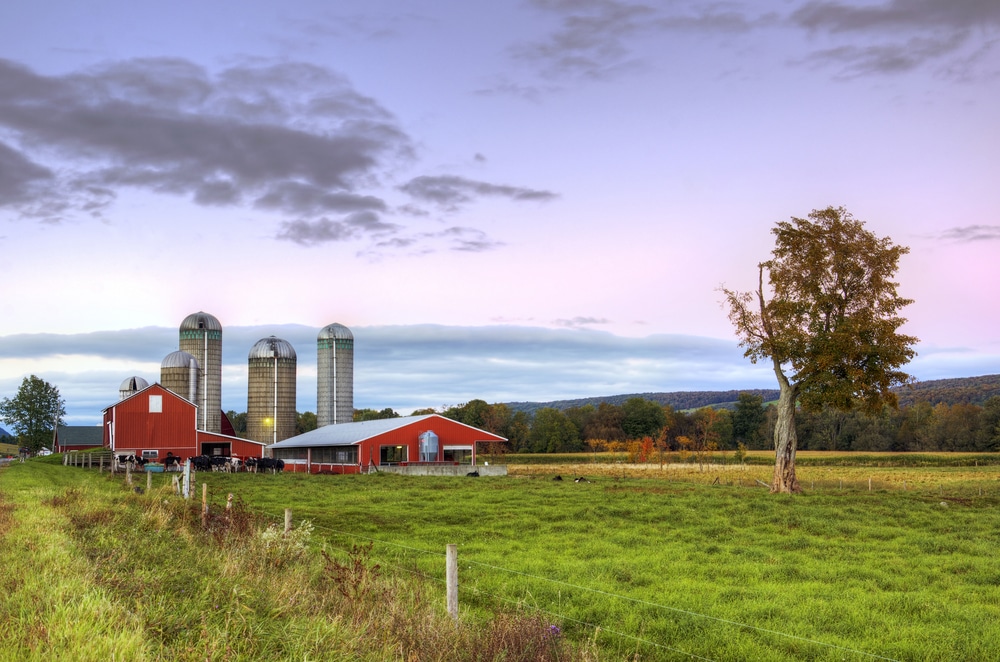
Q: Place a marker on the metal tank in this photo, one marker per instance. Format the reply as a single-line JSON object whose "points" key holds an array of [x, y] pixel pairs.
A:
{"points": [[271, 412], [131, 386], [181, 374], [428, 446], [201, 336], [335, 375]]}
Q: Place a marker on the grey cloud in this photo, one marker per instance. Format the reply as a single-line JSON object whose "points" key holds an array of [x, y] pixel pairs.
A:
{"points": [[324, 230], [898, 14], [407, 367], [18, 175], [167, 125], [581, 322], [903, 34], [450, 191], [973, 233]]}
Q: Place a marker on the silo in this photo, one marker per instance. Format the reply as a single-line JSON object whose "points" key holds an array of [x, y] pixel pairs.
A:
{"points": [[271, 391], [179, 373], [335, 375], [131, 386], [201, 336]]}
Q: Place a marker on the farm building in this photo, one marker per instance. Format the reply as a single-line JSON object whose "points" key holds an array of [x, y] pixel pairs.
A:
{"points": [[155, 421], [77, 438], [419, 443]]}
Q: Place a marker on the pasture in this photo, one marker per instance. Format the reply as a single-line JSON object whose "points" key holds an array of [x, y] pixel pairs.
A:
{"points": [[664, 564]]}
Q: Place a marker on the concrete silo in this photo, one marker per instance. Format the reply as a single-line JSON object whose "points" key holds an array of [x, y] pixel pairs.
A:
{"points": [[201, 336], [271, 391], [131, 386], [180, 374], [335, 375]]}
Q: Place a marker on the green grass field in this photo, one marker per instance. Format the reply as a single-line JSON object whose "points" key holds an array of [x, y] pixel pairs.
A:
{"points": [[643, 568]]}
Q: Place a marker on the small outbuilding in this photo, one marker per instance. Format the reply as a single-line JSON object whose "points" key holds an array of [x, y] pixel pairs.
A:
{"points": [[155, 421], [419, 444], [78, 438]]}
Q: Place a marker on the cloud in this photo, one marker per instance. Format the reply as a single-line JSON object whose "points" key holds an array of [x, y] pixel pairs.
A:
{"points": [[581, 322], [901, 35], [450, 191], [323, 230], [414, 366], [972, 233], [291, 137]]}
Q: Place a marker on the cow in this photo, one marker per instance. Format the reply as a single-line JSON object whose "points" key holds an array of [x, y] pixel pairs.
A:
{"points": [[258, 464], [201, 462], [171, 462]]}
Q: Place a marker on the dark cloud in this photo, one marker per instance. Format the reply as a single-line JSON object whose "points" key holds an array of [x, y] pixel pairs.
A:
{"points": [[291, 137], [324, 230], [901, 35], [973, 233], [451, 191], [19, 175]]}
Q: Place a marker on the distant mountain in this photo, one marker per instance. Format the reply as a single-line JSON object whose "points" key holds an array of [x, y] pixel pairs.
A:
{"points": [[4, 433], [961, 390], [676, 399]]}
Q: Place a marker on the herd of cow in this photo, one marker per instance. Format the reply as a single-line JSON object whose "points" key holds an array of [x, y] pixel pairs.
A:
{"points": [[205, 463]]}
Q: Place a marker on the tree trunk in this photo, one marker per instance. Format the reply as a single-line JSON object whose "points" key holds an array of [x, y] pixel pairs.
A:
{"points": [[785, 441]]}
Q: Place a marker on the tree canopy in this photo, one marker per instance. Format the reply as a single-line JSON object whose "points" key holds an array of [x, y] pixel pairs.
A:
{"points": [[829, 322], [34, 412]]}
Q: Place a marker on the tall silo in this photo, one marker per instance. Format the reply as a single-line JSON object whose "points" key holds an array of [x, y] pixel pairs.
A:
{"points": [[201, 336], [131, 386], [179, 373], [335, 375], [271, 391]]}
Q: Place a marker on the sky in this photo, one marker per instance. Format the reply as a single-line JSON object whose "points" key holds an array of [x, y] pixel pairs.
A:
{"points": [[517, 200]]}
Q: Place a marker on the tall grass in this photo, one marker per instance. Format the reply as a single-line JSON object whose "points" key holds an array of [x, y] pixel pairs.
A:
{"points": [[99, 572]]}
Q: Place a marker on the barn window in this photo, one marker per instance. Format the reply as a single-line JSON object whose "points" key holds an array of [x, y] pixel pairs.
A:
{"points": [[458, 454], [335, 455], [392, 454], [150, 455], [155, 404]]}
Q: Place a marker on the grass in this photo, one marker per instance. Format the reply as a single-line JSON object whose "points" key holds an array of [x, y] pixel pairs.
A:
{"points": [[667, 565]]}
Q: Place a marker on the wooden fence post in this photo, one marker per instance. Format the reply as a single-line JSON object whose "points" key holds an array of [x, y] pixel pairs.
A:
{"points": [[149, 481], [101, 468], [288, 520], [451, 570], [204, 504], [869, 483]]}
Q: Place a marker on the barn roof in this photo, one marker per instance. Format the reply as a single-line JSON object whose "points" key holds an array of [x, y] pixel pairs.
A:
{"points": [[343, 434], [80, 435]]}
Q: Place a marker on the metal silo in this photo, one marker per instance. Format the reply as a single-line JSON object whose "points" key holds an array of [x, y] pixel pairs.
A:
{"points": [[201, 336], [179, 373], [131, 386], [271, 391], [335, 375]]}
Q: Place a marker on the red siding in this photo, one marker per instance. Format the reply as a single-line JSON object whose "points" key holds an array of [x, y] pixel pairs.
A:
{"points": [[237, 447], [138, 429]]}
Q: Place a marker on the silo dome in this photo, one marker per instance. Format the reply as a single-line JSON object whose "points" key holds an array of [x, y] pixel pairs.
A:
{"points": [[201, 321], [271, 347], [335, 332], [178, 359], [131, 385]]}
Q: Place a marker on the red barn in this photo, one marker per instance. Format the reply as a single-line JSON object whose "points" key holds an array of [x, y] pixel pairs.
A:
{"points": [[411, 441], [156, 421]]}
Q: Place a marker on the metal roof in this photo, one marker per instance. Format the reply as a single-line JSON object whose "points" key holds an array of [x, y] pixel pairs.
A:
{"points": [[342, 434], [80, 435], [178, 359], [200, 321], [336, 332], [268, 348], [133, 384]]}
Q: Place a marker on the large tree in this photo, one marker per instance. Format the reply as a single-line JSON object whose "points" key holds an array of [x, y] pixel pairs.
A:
{"points": [[34, 412], [828, 320]]}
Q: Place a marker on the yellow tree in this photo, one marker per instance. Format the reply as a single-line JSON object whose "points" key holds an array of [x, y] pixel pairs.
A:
{"points": [[828, 320]]}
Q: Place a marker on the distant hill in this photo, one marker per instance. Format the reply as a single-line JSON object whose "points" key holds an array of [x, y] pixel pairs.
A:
{"points": [[961, 390], [676, 399], [4, 433]]}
